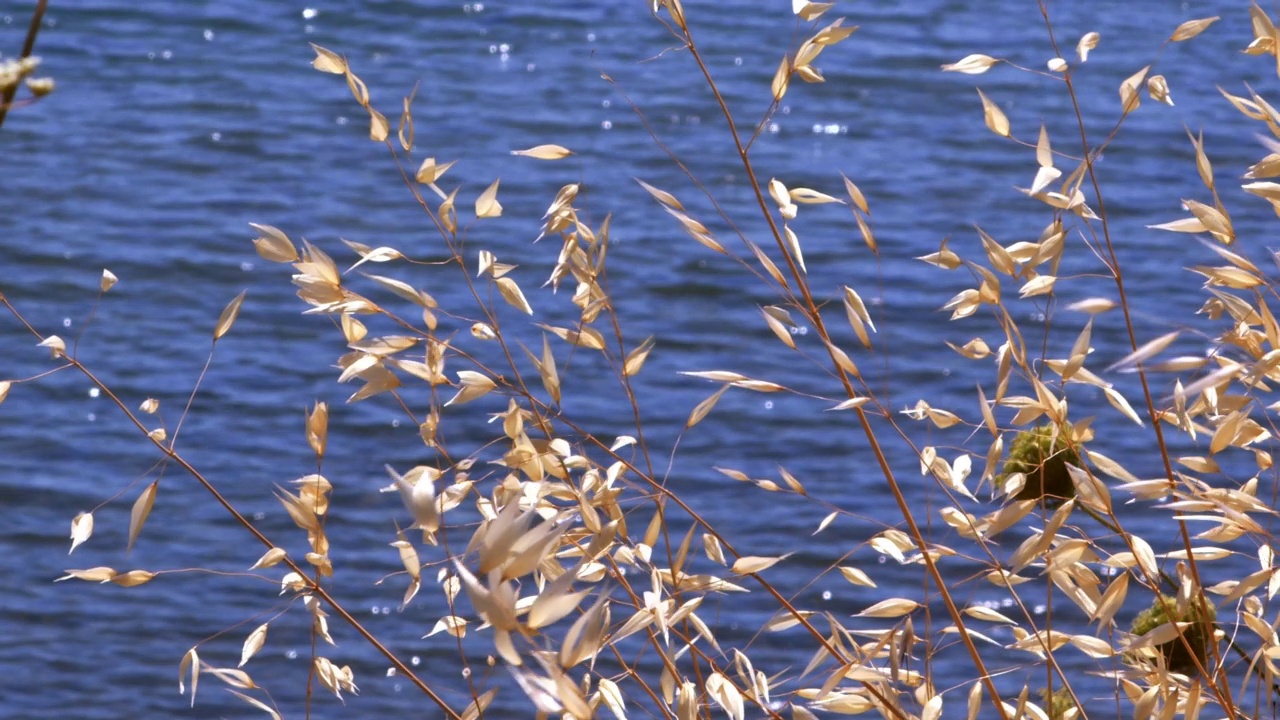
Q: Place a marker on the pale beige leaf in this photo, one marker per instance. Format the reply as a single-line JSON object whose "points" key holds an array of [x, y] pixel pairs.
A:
{"points": [[612, 698], [636, 358], [487, 205], [812, 197], [269, 558], [704, 407], [141, 509], [512, 294], [1093, 306], [826, 521], [781, 79], [378, 127], [273, 245], [982, 612], [974, 64], [661, 196], [228, 316], [1040, 285], [1118, 402], [850, 404], [993, 116], [473, 385], [1146, 558], [865, 230], [1088, 42], [191, 659], [81, 530], [855, 195], [328, 61], [1129, 97], [893, 607], [133, 578], [57, 346], [429, 172], [452, 624], [933, 709], [809, 11], [1044, 151], [749, 564], [100, 574], [545, 152], [856, 576], [1192, 28], [253, 644]]}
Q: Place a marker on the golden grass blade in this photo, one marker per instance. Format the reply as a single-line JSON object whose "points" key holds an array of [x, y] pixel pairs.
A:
{"points": [[99, 574], [993, 116], [890, 608], [545, 152], [272, 244], [327, 61], [81, 530], [133, 578], [472, 385], [807, 196], [452, 624], [750, 564], [228, 316], [855, 195], [379, 129], [511, 293], [867, 236], [253, 644], [704, 407], [781, 79], [661, 196], [778, 329], [856, 576], [190, 659], [141, 509], [793, 242], [487, 205], [1129, 97], [1192, 28], [430, 172]]}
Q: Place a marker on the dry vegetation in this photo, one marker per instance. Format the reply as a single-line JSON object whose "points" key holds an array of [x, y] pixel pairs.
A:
{"points": [[556, 548]]}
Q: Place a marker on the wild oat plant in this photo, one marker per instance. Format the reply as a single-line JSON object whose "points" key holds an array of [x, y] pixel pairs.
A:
{"points": [[564, 556]]}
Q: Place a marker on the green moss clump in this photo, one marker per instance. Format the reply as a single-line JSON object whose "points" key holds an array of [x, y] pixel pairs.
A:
{"points": [[1058, 704], [1042, 455], [1199, 634]]}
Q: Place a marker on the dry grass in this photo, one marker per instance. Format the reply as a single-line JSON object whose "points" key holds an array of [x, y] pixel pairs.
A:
{"points": [[581, 581]]}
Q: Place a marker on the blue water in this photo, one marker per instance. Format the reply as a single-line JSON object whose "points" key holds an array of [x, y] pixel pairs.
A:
{"points": [[173, 126]]}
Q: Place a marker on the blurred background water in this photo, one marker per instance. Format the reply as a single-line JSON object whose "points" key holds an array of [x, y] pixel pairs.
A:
{"points": [[175, 125]]}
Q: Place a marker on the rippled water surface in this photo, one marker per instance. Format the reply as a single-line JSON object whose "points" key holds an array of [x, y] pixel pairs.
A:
{"points": [[176, 124]]}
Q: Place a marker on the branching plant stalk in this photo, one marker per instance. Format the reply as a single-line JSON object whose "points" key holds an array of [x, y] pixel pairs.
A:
{"points": [[245, 523], [1222, 688], [815, 317]]}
